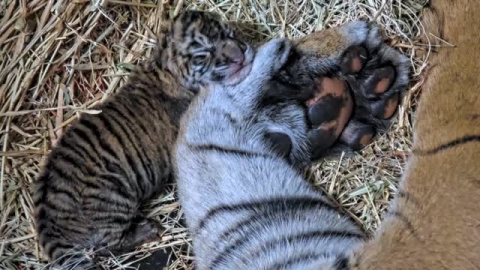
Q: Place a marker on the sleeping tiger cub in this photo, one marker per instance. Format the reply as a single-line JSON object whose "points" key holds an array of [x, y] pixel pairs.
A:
{"points": [[106, 165], [246, 205]]}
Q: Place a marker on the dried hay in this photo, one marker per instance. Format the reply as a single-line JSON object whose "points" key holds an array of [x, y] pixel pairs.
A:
{"points": [[59, 58]]}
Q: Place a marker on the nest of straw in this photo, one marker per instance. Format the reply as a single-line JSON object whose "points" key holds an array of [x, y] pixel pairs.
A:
{"points": [[59, 58]]}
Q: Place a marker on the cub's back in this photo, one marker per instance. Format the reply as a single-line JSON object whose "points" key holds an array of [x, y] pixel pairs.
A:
{"points": [[105, 166]]}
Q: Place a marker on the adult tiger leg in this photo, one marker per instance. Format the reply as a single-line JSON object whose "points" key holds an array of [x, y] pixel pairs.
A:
{"points": [[435, 223]]}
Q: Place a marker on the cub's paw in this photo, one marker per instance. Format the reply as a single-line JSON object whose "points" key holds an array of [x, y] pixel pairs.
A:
{"points": [[271, 57], [142, 230], [376, 74]]}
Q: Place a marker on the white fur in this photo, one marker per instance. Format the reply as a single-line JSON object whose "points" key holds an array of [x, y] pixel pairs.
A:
{"points": [[208, 179]]}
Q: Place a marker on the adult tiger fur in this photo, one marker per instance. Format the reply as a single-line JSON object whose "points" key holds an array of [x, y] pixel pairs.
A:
{"points": [[246, 205], [106, 165], [248, 210], [435, 220]]}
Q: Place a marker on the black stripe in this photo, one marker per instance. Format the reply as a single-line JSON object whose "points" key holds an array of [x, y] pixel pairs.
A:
{"points": [[82, 142], [47, 187], [86, 155], [64, 246], [72, 140], [58, 226], [148, 130], [81, 134], [73, 174], [262, 204], [285, 240], [71, 159], [110, 220], [41, 226], [56, 168], [116, 169], [119, 186], [342, 263], [400, 216], [109, 201], [298, 258], [41, 183], [94, 129], [445, 146], [100, 214], [98, 193], [91, 184], [57, 211], [141, 155], [138, 99], [139, 148], [124, 116], [226, 150], [139, 178], [70, 228], [258, 219], [58, 189]]}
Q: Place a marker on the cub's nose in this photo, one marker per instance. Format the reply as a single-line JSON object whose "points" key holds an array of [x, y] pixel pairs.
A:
{"points": [[234, 52]]}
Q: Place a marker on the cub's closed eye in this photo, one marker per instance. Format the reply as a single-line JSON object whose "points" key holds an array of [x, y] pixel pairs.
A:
{"points": [[195, 45], [198, 60], [221, 64]]}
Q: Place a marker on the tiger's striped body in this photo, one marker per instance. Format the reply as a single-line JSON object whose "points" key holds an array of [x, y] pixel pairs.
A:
{"points": [[238, 219], [247, 206], [106, 165]]}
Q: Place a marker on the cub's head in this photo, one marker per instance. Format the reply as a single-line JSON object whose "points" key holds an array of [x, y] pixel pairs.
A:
{"points": [[202, 49]]}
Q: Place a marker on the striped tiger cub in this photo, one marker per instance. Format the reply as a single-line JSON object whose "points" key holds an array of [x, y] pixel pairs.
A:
{"points": [[106, 165], [246, 204]]}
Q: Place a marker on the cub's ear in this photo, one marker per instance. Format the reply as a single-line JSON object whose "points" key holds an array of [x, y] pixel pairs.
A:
{"points": [[280, 143]]}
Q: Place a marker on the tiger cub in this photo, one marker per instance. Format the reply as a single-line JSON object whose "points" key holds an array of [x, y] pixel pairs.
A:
{"points": [[106, 165], [246, 205]]}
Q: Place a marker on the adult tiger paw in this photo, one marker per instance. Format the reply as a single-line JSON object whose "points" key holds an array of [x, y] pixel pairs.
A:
{"points": [[376, 76], [338, 88]]}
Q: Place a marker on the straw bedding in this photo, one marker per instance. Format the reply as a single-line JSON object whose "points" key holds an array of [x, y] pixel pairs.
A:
{"points": [[59, 58]]}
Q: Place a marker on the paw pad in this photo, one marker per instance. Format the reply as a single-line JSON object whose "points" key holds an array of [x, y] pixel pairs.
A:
{"points": [[329, 111], [381, 80], [357, 135], [354, 60], [376, 78]]}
